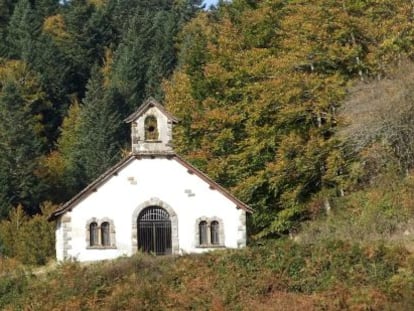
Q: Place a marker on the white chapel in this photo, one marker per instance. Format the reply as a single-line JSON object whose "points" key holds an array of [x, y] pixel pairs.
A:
{"points": [[151, 201]]}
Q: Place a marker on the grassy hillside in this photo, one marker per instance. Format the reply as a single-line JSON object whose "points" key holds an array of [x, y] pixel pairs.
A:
{"points": [[282, 275], [356, 256]]}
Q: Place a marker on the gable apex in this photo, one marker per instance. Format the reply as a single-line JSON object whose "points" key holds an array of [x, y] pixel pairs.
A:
{"points": [[110, 173], [147, 104]]}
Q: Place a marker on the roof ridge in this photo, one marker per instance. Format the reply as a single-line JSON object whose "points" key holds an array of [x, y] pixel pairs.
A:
{"points": [[150, 101], [67, 206]]}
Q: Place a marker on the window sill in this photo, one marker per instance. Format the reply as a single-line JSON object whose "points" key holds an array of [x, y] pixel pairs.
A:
{"points": [[211, 246], [101, 247]]}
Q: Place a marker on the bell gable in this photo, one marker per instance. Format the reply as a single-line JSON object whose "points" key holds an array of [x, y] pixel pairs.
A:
{"points": [[151, 128]]}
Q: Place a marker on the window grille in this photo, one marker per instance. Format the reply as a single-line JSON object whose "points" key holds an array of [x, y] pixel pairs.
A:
{"points": [[93, 234], [105, 234], [154, 231], [202, 227], [214, 232], [151, 128]]}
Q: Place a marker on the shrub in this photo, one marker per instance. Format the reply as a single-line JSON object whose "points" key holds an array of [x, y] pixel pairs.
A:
{"points": [[28, 239], [12, 288]]}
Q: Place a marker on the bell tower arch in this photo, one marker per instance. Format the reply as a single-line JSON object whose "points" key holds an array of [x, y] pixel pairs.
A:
{"points": [[151, 128]]}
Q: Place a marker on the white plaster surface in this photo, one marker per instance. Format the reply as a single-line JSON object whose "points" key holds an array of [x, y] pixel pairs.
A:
{"points": [[59, 241], [137, 182]]}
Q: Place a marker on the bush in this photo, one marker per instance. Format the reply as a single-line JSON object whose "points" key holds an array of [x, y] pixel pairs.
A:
{"points": [[28, 239], [329, 275], [12, 288], [376, 214]]}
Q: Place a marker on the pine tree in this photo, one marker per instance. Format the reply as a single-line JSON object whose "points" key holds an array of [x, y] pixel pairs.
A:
{"points": [[20, 149], [100, 129], [6, 11], [23, 29], [146, 53]]}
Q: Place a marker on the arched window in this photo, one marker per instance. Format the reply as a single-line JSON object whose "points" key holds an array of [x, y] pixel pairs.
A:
{"points": [[151, 128], [100, 234], [214, 232], [93, 234], [202, 229], [105, 234], [209, 232]]}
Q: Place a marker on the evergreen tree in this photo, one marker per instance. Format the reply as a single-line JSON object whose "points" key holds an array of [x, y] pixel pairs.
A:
{"points": [[6, 11], [20, 149], [22, 31], [60, 168], [22, 109], [100, 129], [146, 53]]}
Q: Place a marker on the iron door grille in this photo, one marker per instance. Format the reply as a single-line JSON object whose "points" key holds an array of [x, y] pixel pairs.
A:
{"points": [[154, 231]]}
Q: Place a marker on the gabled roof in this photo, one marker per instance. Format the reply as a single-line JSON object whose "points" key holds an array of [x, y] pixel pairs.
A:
{"points": [[148, 103], [120, 165], [90, 188], [213, 185]]}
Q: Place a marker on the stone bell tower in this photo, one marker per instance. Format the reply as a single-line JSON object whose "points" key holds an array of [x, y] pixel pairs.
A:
{"points": [[151, 128]]}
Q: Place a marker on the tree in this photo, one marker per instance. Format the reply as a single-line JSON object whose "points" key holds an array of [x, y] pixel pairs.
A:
{"points": [[24, 27], [22, 140], [6, 9], [258, 90], [146, 53], [100, 129], [381, 112], [60, 168], [28, 239]]}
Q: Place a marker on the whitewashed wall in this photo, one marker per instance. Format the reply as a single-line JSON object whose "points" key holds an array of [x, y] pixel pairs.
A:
{"points": [[158, 179]]}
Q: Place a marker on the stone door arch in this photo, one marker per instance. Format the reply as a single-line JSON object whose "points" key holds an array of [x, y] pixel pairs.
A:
{"points": [[154, 231], [163, 209]]}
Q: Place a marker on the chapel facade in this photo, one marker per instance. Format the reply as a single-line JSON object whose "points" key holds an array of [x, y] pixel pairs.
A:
{"points": [[151, 201]]}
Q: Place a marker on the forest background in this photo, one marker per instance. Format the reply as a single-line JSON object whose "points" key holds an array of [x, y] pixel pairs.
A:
{"points": [[303, 109]]}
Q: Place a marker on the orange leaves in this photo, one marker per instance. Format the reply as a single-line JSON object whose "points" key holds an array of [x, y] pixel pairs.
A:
{"points": [[258, 92]]}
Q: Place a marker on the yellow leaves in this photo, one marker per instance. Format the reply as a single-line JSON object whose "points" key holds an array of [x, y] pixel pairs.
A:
{"points": [[98, 3], [53, 167], [335, 167], [18, 73], [107, 66], [229, 38], [262, 98], [55, 26], [15, 70], [178, 99]]}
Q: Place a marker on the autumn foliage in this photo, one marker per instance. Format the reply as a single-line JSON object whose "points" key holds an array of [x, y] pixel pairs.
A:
{"points": [[298, 107], [259, 89]]}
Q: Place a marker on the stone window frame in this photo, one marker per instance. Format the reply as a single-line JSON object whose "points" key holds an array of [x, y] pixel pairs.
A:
{"points": [[209, 221], [151, 122], [112, 235]]}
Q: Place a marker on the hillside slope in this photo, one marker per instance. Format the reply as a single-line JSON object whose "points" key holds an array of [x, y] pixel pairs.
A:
{"points": [[283, 275]]}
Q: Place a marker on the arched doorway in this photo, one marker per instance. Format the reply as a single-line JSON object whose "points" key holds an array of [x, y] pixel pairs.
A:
{"points": [[154, 231]]}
